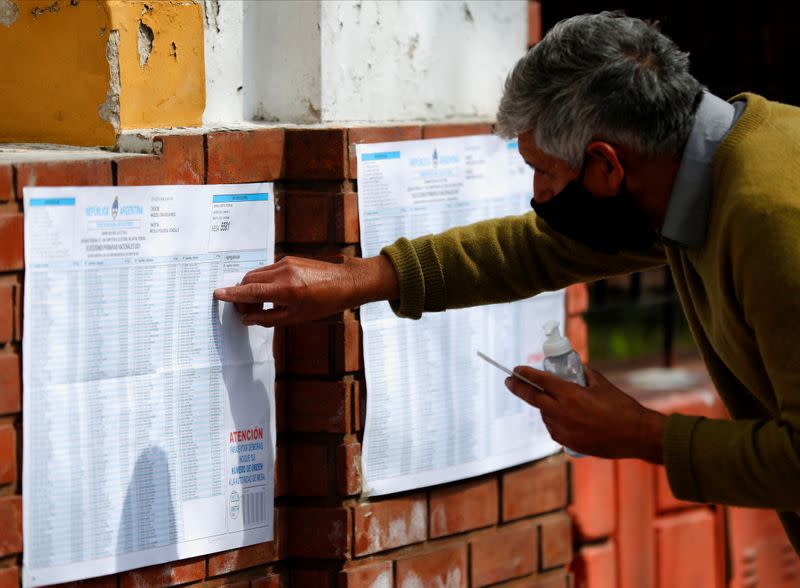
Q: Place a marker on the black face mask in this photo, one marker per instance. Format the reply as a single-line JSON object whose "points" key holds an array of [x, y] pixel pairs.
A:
{"points": [[604, 224]]}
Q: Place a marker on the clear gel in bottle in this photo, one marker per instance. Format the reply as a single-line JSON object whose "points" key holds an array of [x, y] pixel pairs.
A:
{"points": [[562, 360]]}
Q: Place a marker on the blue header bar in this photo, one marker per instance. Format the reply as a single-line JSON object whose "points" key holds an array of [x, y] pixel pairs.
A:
{"points": [[513, 144], [51, 202], [380, 155], [240, 198]]}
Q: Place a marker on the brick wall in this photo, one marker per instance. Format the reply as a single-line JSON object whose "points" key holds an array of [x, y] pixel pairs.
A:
{"points": [[509, 528]]}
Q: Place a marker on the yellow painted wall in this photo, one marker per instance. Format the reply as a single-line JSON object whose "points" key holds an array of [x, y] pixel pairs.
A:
{"points": [[56, 68], [54, 74], [169, 89]]}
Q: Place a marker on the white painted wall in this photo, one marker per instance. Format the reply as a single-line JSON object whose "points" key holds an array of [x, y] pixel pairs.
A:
{"points": [[308, 61], [418, 59], [224, 55]]}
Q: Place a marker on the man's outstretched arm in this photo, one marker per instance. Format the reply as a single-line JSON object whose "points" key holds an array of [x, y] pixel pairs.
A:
{"points": [[302, 289]]}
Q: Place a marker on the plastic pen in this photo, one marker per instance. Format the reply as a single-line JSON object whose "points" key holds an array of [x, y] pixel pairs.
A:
{"points": [[509, 372]]}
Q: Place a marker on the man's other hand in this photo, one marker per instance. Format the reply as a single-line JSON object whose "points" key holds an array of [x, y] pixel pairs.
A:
{"points": [[302, 289], [599, 420]]}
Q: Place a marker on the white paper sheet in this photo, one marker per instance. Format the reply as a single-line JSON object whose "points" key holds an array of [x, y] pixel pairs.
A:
{"points": [[435, 411], [148, 409]]}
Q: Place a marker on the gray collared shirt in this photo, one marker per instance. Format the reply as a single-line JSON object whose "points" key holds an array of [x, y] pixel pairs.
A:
{"points": [[686, 221]]}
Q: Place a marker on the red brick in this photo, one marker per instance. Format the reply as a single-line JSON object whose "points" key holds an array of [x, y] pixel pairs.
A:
{"points": [[242, 558], [577, 299], [281, 471], [311, 578], [554, 579], [347, 341], [280, 217], [309, 469], [253, 555], [308, 349], [9, 577], [10, 391], [555, 540], [534, 22], [348, 469], [10, 525], [182, 161], [444, 130], [6, 182], [307, 217], [503, 554], [317, 406], [346, 227], [593, 507], [595, 566], [760, 553], [635, 538], [11, 251], [578, 334], [8, 454], [168, 574], [455, 509], [316, 154], [378, 135], [370, 575], [535, 489], [7, 312], [685, 549], [236, 157], [389, 523], [85, 172], [268, 581], [359, 405], [279, 349], [319, 532], [99, 582], [444, 567], [18, 312]]}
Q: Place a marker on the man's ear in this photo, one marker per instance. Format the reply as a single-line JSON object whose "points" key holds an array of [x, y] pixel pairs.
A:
{"points": [[603, 171]]}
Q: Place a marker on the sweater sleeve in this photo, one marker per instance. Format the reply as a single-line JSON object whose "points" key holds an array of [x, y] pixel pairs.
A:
{"points": [[755, 462], [499, 260]]}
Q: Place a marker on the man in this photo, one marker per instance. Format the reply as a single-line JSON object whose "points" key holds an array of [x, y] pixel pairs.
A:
{"points": [[636, 166]]}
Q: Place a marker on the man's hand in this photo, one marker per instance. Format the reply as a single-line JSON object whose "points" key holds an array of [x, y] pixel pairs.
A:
{"points": [[599, 419], [303, 289]]}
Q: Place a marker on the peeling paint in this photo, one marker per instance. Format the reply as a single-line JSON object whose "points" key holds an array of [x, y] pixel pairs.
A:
{"points": [[382, 581], [109, 110], [146, 37], [468, 13], [452, 580], [9, 12], [211, 10], [38, 11], [413, 43]]}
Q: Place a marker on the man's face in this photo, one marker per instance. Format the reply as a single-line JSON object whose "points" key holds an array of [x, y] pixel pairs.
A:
{"points": [[551, 173], [591, 205]]}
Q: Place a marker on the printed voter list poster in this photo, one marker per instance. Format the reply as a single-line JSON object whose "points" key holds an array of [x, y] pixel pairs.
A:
{"points": [[148, 408], [435, 411]]}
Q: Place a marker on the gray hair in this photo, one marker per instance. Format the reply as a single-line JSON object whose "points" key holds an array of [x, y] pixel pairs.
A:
{"points": [[601, 76]]}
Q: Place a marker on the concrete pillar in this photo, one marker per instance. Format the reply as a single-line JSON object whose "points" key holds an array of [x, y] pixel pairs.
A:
{"points": [[369, 60]]}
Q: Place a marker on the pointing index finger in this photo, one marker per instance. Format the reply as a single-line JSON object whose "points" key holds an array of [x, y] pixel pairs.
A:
{"points": [[247, 293]]}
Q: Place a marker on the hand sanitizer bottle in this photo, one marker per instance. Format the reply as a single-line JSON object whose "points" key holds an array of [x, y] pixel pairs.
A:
{"points": [[562, 360]]}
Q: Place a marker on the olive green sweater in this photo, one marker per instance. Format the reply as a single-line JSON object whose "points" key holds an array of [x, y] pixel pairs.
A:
{"points": [[740, 291]]}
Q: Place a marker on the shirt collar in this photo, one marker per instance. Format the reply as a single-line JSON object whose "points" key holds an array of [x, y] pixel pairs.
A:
{"points": [[686, 220]]}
